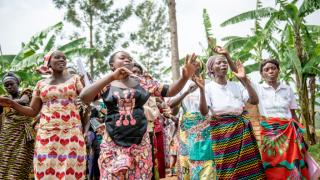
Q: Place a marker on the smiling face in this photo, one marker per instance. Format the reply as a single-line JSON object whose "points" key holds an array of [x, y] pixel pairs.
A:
{"points": [[11, 86], [270, 72], [121, 59], [58, 61]]}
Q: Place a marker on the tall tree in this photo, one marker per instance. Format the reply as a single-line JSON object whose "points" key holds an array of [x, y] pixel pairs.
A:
{"points": [[152, 36], [174, 40], [102, 21]]}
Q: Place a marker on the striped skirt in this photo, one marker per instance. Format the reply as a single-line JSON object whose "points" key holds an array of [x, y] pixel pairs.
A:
{"points": [[236, 153]]}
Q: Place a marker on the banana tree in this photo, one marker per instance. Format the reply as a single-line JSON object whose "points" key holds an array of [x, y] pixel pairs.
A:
{"points": [[31, 54], [298, 48]]}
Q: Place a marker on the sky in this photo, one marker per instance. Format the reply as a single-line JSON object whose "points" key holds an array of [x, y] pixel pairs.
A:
{"points": [[20, 19]]}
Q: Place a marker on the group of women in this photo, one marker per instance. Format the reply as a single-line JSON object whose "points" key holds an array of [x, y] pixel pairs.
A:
{"points": [[216, 138]]}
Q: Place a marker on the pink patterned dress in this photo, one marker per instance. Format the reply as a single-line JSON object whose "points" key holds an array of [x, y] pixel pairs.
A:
{"points": [[126, 149], [60, 149]]}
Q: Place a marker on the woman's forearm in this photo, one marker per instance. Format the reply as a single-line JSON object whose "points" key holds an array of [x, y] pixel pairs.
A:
{"points": [[176, 101], [25, 110], [88, 94], [253, 97], [203, 107], [231, 63], [176, 86]]}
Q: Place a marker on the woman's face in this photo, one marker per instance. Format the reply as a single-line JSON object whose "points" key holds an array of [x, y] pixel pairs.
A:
{"points": [[11, 86], [270, 72], [58, 61], [122, 59], [220, 66], [136, 71]]}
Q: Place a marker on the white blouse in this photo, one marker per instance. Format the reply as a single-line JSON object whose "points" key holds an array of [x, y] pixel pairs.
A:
{"points": [[192, 101], [226, 99], [276, 102]]}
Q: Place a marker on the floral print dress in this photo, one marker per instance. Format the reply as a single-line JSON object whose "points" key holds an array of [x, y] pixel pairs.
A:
{"points": [[60, 149]]}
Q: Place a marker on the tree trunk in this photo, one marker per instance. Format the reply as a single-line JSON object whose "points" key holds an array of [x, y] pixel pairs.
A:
{"points": [[91, 42], [304, 103], [303, 88], [312, 87], [174, 40]]}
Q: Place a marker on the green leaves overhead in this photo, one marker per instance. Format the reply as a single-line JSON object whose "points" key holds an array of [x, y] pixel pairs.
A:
{"points": [[250, 15], [308, 7], [31, 55], [152, 36], [211, 40], [102, 20], [72, 44]]}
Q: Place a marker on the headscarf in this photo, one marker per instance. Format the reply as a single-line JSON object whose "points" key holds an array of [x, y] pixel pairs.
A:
{"points": [[11, 76], [44, 69], [210, 64]]}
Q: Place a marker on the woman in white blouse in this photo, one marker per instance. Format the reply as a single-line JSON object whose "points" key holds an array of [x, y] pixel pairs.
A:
{"points": [[283, 148], [235, 149]]}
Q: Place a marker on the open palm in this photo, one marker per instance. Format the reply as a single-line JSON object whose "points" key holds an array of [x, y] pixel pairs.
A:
{"points": [[199, 80], [241, 74], [190, 66]]}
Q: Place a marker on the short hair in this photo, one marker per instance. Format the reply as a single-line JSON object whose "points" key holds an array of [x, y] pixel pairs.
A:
{"points": [[138, 66], [272, 61], [111, 59]]}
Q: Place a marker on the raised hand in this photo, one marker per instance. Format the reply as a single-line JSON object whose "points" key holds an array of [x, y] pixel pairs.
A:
{"points": [[199, 80], [5, 102], [190, 66], [121, 73], [220, 50], [241, 74]]}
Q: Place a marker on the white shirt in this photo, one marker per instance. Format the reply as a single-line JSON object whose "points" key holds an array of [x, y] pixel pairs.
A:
{"points": [[226, 99], [192, 101], [276, 102]]}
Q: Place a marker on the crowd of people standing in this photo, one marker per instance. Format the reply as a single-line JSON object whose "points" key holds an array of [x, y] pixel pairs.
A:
{"points": [[128, 125]]}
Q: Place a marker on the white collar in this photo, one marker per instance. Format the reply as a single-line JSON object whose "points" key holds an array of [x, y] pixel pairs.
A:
{"points": [[220, 85], [281, 86]]}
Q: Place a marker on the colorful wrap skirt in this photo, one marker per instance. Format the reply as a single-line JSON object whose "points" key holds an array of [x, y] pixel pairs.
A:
{"points": [[196, 158], [235, 149], [118, 162], [283, 149]]}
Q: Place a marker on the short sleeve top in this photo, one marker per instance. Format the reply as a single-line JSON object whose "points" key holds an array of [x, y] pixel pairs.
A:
{"points": [[125, 121]]}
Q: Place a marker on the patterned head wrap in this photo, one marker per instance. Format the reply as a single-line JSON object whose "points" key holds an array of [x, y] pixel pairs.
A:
{"points": [[210, 64], [44, 69], [11, 76]]}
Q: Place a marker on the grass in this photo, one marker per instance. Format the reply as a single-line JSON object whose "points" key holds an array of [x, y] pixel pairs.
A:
{"points": [[315, 152], [315, 149]]}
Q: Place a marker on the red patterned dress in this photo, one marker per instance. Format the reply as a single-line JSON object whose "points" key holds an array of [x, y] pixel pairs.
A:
{"points": [[60, 148]]}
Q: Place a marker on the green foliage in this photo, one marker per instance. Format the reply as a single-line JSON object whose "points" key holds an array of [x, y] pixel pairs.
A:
{"points": [[31, 55], [152, 36], [297, 49], [102, 21], [211, 40], [314, 151], [250, 15]]}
